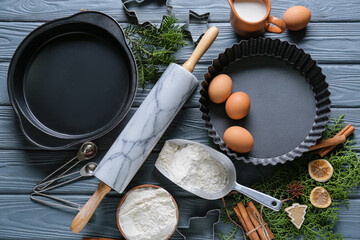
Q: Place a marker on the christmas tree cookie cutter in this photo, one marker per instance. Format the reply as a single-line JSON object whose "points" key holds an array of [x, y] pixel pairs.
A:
{"points": [[212, 218], [132, 6]]}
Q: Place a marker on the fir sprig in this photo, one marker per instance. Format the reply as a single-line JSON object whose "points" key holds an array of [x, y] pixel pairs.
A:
{"points": [[228, 236], [318, 222], [154, 47]]}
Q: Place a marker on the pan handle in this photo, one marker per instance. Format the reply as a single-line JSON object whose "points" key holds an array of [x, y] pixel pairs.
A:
{"points": [[107, 23], [262, 198]]}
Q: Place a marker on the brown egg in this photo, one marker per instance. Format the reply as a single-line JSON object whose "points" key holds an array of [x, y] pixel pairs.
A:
{"points": [[238, 105], [238, 139], [220, 88], [297, 17]]}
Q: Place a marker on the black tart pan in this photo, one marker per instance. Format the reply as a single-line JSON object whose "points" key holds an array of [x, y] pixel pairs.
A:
{"points": [[290, 102], [72, 80]]}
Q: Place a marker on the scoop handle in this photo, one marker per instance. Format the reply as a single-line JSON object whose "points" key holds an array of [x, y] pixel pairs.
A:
{"points": [[89, 208], [262, 198], [204, 44]]}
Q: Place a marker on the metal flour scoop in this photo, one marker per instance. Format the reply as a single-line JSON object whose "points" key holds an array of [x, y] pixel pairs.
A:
{"points": [[231, 183]]}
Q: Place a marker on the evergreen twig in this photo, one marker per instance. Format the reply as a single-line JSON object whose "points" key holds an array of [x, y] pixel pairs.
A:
{"points": [[154, 46], [318, 222]]}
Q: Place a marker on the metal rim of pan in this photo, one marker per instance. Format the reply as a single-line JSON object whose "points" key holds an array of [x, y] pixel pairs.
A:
{"points": [[299, 60], [32, 128]]}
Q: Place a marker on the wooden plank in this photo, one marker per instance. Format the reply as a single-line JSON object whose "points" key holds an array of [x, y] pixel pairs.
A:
{"points": [[4, 96], [11, 34], [39, 10], [342, 78], [187, 125], [344, 84], [346, 35], [140, 94], [184, 125], [45, 10], [320, 10], [349, 220], [20, 170], [321, 42], [20, 218]]}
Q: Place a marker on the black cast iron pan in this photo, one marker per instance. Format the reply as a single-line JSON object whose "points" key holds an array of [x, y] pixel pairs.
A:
{"points": [[72, 80]]}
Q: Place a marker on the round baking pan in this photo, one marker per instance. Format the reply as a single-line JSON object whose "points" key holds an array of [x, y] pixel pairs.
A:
{"points": [[290, 103], [72, 80]]}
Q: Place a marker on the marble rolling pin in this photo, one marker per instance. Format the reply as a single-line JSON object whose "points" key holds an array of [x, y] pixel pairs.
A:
{"points": [[144, 129]]}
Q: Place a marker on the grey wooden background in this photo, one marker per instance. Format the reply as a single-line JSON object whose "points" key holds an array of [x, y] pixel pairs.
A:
{"points": [[332, 38]]}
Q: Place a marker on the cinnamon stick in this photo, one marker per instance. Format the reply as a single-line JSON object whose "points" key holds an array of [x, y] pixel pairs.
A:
{"points": [[248, 222], [334, 141], [320, 152], [257, 225], [346, 131], [253, 208], [238, 214]]}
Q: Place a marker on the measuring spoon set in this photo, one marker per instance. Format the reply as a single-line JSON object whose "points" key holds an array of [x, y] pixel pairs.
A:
{"points": [[63, 176]]}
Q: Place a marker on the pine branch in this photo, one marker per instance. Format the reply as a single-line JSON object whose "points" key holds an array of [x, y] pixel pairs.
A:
{"points": [[318, 222], [154, 46]]}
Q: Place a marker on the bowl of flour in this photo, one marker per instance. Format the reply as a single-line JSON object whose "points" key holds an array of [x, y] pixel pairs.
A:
{"points": [[147, 212]]}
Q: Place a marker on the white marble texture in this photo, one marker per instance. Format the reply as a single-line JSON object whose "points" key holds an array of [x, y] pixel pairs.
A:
{"points": [[146, 127]]}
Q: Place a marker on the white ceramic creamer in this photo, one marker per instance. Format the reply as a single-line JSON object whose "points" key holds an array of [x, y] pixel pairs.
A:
{"points": [[250, 10]]}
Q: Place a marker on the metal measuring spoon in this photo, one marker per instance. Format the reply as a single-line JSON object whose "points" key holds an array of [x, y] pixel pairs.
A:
{"points": [[38, 196], [87, 151], [86, 171], [231, 184]]}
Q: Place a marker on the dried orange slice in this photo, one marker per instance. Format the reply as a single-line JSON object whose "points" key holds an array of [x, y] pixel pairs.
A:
{"points": [[320, 170], [320, 198]]}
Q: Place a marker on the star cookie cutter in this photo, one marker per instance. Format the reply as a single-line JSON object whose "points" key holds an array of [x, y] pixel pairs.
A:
{"points": [[201, 21]]}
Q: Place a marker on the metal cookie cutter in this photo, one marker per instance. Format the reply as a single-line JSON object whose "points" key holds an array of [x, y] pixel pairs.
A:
{"points": [[131, 6], [202, 24], [212, 218], [136, 4]]}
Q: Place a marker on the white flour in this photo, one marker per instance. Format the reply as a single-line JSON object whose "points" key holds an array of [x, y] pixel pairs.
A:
{"points": [[148, 213], [191, 166]]}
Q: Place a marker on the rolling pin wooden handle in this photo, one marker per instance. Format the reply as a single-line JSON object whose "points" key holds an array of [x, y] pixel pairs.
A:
{"points": [[205, 42], [88, 209]]}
